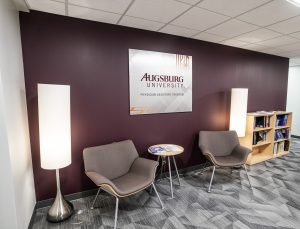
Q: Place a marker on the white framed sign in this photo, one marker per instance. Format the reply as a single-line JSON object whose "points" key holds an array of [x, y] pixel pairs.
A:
{"points": [[159, 82]]}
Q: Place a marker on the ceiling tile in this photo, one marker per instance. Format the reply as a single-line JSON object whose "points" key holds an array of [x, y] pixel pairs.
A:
{"points": [[114, 6], [258, 35], [271, 13], [273, 51], [190, 2], [232, 28], [289, 26], [93, 15], [175, 30], [291, 54], [199, 19], [157, 10], [233, 42], [231, 7], [279, 41], [209, 37], [254, 47], [296, 35], [140, 23], [290, 47], [47, 6]]}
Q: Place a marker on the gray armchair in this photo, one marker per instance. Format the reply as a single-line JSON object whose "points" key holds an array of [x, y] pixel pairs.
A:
{"points": [[222, 148], [117, 169]]}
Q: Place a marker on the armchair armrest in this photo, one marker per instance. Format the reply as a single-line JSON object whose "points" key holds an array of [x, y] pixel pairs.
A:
{"points": [[241, 152], [98, 179], [205, 151], [144, 167]]}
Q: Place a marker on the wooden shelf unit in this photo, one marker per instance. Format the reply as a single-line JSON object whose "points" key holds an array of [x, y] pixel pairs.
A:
{"points": [[265, 149], [261, 129]]}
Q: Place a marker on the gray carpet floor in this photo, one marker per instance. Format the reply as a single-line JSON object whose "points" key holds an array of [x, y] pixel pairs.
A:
{"points": [[274, 202]]}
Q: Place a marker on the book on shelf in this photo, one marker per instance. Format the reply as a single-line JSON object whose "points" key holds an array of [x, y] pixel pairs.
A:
{"points": [[259, 136], [275, 148], [282, 134], [286, 145], [268, 121], [278, 135], [280, 147], [262, 122], [281, 120]]}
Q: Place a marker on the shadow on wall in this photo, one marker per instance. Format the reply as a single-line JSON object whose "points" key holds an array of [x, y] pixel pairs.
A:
{"points": [[216, 111]]}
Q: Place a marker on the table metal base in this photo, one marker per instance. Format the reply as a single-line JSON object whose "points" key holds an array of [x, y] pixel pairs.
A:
{"points": [[163, 163]]}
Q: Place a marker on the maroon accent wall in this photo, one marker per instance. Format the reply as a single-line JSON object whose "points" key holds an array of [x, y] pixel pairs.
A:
{"points": [[93, 58]]}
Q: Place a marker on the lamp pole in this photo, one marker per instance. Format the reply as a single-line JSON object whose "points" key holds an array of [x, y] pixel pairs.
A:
{"points": [[60, 209]]}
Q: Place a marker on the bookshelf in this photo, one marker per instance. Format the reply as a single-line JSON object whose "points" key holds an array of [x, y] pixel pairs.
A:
{"points": [[268, 135]]}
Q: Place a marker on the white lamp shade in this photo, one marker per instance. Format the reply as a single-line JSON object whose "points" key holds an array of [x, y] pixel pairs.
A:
{"points": [[54, 125], [238, 110]]}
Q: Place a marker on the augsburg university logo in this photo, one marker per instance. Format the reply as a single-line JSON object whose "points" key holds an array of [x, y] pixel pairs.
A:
{"points": [[162, 81]]}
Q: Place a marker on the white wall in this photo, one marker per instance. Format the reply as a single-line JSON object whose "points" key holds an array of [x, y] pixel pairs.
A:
{"points": [[293, 98], [17, 195]]}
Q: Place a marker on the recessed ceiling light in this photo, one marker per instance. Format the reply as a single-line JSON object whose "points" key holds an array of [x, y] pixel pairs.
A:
{"points": [[295, 2]]}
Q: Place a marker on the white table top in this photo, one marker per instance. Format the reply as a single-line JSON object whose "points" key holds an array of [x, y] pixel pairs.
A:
{"points": [[166, 149]]}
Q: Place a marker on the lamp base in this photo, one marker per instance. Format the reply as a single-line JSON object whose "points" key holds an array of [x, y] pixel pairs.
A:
{"points": [[60, 210]]}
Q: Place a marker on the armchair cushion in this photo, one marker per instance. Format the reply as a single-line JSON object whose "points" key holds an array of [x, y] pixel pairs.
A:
{"points": [[140, 176], [228, 161]]}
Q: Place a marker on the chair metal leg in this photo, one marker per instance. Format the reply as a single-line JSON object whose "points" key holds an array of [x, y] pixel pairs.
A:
{"points": [[170, 174], [116, 212], [248, 176], [176, 170], [162, 206], [95, 198], [211, 179]]}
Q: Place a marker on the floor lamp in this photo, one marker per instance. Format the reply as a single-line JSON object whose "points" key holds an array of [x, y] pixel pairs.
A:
{"points": [[55, 140], [238, 110]]}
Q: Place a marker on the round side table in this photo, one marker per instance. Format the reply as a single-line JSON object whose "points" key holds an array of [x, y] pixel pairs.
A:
{"points": [[166, 151]]}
